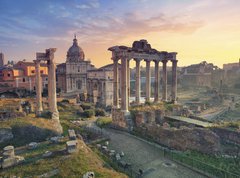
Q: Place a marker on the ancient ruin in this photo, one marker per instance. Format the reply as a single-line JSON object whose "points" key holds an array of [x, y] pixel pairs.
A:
{"points": [[48, 57], [141, 51]]}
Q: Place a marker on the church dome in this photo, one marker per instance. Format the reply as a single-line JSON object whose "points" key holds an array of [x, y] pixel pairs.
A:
{"points": [[75, 52]]}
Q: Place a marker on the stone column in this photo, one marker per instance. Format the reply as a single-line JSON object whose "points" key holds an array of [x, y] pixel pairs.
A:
{"points": [[164, 80], [128, 80], [148, 81], [38, 82], [115, 83], [49, 89], [137, 82], [174, 80], [52, 91], [156, 83], [124, 89]]}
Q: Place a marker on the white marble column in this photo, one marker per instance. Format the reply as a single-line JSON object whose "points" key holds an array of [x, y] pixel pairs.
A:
{"points": [[148, 81], [49, 89], [138, 82], [52, 78], [115, 83], [164, 80], [174, 80], [128, 81], [156, 83], [38, 82], [124, 89]]}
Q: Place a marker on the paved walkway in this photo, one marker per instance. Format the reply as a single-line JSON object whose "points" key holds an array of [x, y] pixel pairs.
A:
{"points": [[147, 157], [191, 121]]}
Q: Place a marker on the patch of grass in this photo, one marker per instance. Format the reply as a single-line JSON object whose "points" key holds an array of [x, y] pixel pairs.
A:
{"points": [[210, 163], [103, 121], [74, 165]]}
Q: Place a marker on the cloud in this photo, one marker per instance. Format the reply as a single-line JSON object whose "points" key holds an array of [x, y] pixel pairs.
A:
{"points": [[109, 28], [88, 5]]}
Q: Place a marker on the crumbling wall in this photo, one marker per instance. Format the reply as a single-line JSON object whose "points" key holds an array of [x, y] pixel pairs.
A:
{"points": [[182, 139], [227, 135]]}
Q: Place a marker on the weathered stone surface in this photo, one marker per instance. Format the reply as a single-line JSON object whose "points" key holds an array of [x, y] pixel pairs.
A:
{"points": [[71, 146], [9, 159], [8, 152], [71, 134], [227, 135], [8, 162], [47, 154], [119, 118], [89, 175], [183, 139], [5, 134], [32, 145]]}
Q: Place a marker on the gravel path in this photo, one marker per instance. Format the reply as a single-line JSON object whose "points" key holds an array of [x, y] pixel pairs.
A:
{"points": [[147, 157]]}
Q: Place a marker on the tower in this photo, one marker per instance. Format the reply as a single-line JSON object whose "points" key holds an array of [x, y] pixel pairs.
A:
{"points": [[1, 59]]}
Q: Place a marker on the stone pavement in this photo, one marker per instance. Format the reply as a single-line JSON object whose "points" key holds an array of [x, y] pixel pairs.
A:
{"points": [[147, 157]]}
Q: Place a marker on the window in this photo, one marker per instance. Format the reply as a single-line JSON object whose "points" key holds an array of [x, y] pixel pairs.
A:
{"points": [[41, 71], [32, 71], [9, 75], [23, 79]]}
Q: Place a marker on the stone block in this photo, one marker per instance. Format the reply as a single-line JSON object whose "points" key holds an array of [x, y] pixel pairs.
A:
{"points": [[71, 134], [71, 146], [32, 145], [8, 162], [8, 152], [89, 175], [47, 154]]}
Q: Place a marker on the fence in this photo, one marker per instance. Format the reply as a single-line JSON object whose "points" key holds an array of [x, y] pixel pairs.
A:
{"points": [[193, 164]]}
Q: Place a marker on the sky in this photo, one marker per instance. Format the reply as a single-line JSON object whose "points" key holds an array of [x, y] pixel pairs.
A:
{"points": [[198, 30]]}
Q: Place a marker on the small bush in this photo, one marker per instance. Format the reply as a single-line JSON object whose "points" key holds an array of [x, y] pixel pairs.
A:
{"points": [[104, 121], [88, 113], [65, 101], [46, 114], [99, 112], [86, 106]]}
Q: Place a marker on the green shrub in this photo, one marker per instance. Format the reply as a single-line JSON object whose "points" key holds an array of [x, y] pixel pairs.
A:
{"points": [[65, 101], [88, 113], [46, 114], [99, 112], [104, 121], [86, 106]]}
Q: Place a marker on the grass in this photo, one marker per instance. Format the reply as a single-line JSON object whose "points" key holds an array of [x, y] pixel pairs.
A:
{"points": [[209, 163], [74, 165], [69, 166], [103, 121]]}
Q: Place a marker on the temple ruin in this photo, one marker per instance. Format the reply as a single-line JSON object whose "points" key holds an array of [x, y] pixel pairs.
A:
{"points": [[141, 51], [48, 57]]}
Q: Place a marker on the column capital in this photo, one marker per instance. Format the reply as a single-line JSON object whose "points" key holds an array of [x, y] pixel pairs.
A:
{"points": [[164, 61], [137, 60], [174, 61]]}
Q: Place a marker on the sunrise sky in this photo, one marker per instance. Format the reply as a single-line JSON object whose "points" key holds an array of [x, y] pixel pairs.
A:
{"points": [[197, 29]]}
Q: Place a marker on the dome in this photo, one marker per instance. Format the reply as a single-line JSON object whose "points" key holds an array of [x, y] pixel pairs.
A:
{"points": [[75, 52]]}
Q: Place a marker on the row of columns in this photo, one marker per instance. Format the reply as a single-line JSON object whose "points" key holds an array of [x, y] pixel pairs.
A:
{"points": [[125, 82]]}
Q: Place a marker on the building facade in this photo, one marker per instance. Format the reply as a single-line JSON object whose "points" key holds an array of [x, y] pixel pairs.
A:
{"points": [[72, 75], [100, 85], [22, 75], [202, 74]]}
